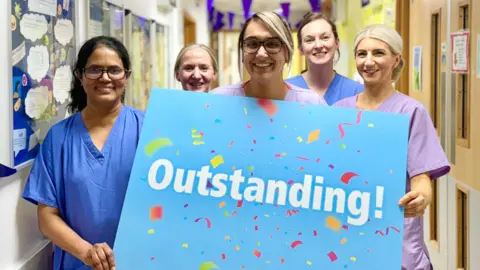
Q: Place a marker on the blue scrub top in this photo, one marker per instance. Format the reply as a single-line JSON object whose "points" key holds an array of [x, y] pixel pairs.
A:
{"points": [[341, 87], [86, 185]]}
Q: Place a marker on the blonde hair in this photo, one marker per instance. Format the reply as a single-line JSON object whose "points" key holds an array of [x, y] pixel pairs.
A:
{"points": [[276, 24], [185, 49], [388, 35]]}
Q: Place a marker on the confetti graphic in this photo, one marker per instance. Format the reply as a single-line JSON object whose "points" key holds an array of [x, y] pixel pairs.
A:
{"points": [[262, 184]]}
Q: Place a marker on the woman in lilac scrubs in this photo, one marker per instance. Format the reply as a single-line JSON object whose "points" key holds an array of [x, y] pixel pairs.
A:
{"points": [[80, 176], [265, 45], [379, 61]]}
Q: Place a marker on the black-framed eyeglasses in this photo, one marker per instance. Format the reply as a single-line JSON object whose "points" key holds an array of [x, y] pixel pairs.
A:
{"points": [[115, 73], [271, 45]]}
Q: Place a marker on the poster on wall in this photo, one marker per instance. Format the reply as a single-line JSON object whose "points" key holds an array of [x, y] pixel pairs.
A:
{"points": [[43, 52], [141, 61], [478, 56], [460, 51], [244, 185], [105, 19], [161, 78], [417, 68]]}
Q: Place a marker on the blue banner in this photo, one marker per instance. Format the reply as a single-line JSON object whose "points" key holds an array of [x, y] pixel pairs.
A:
{"points": [[222, 182]]}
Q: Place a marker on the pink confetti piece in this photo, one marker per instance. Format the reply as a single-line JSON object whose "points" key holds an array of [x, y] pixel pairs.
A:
{"points": [[209, 185], [345, 227], [347, 176], [331, 166], [290, 182], [207, 106], [295, 243], [239, 204], [209, 224], [186, 205], [268, 106], [277, 155], [332, 256], [230, 144], [318, 160], [282, 260], [257, 253], [224, 256], [152, 259], [379, 232], [254, 141], [249, 127], [234, 213], [301, 169], [156, 213], [302, 158], [395, 229], [256, 228], [315, 233], [342, 131], [255, 217]]}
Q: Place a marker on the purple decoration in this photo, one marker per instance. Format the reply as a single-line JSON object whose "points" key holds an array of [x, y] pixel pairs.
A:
{"points": [[246, 8], [365, 2], [209, 5], [231, 17], [316, 5], [298, 24], [285, 10], [219, 23], [211, 13]]}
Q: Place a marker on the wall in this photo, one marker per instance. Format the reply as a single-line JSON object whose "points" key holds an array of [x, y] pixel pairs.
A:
{"points": [[23, 246], [444, 251]]}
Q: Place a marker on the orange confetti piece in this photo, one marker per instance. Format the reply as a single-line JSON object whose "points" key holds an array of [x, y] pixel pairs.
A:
{"points": [[257, 253], [268, 106], [156, 213], [344, 240], [227, 237], [333, 223], [282, 260], [230, 144], [221, 205], [313, 136], [237, 248]]}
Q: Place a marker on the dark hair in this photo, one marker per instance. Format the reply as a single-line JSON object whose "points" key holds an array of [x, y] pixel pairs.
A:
{"points": [[77, 93], [314, 16]]}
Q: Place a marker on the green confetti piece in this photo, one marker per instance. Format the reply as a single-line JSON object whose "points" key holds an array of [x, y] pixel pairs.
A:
{"points": [[370, 125], [343, 146], [156, 144], [250, 168]]}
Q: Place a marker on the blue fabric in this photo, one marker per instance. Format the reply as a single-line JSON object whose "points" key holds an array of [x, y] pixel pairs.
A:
{"points": [[341, 87], [86, 185]]}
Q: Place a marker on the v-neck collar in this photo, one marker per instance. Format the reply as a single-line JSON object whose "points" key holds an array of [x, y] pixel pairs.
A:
{"points": [[97, 154], [385, 104]]}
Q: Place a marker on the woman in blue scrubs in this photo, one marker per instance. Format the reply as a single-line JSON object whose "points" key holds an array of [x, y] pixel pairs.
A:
{"points": [[318, 41], [80, 176]]}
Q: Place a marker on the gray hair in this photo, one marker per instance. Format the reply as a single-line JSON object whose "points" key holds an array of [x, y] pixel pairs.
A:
{"points": [[185, 49], [275, 23], [388, 35]]}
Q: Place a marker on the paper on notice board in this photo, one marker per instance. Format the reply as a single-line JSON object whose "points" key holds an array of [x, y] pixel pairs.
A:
{"points": [[47, 7], [63, 31], [61, 83], [19, 140], [38, 62], [66, 4], [18, 53], [34, 139], [33, 26], [36, 101], [95, 28]]}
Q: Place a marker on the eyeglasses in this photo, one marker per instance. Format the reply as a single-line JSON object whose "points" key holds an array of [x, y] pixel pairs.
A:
{"points": [[95, 73], [271, 45]]}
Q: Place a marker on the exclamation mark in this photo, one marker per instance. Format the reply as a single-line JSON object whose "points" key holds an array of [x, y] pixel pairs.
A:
{"points": [[379, 203]]}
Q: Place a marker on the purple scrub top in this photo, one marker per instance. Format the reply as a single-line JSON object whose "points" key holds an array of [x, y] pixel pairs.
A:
{"points": [[425, 155]]}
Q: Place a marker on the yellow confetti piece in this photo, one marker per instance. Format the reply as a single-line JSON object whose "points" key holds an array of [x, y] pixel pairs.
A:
{"points": [[222, 204], [151, 231], [309, 262], [245, 110], [237, 248], [227, 237], [196, 136], [332, 223], [233, 168], [194, 131], [353, 259], [250, 168], [198, 142], [225, 213], [344, 240], [284, 154], [217, 161], [266, 215], [185, 245], [391, 171], [299, 139], [313, 136], [370, 125], [361, 233], [178, 152]]}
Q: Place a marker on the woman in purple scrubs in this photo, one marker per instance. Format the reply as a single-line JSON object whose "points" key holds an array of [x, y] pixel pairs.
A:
{"points": [[265, 45], [80, 176], [379, 61]]}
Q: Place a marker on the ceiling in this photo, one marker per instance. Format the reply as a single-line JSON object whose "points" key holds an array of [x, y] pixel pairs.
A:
{"points": [[260, 5]]}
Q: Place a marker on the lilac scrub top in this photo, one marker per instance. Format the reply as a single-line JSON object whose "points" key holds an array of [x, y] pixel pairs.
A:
{"points": [[425, 155], [295, 94]]}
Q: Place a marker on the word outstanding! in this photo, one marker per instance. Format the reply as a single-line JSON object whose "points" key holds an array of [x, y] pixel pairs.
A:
{"points": [[255, 190]]}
